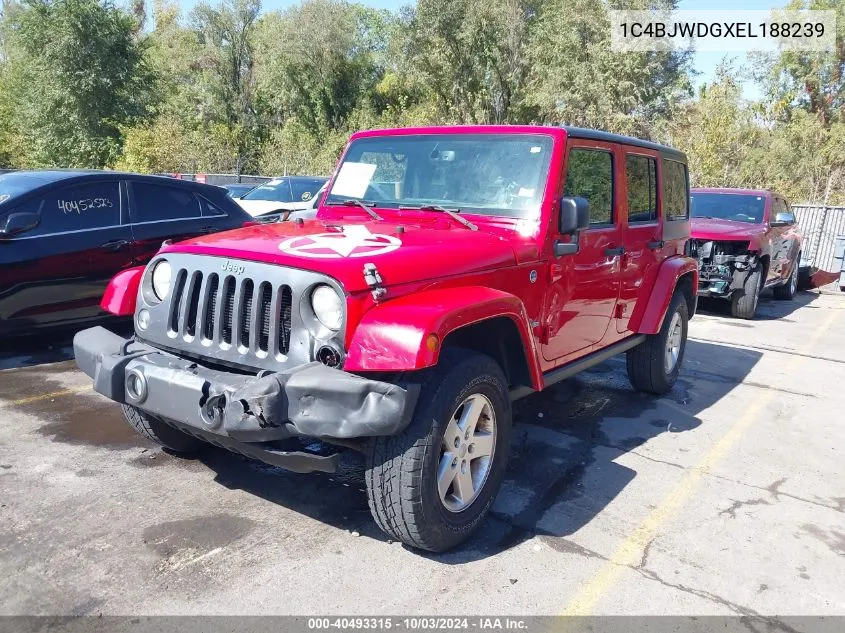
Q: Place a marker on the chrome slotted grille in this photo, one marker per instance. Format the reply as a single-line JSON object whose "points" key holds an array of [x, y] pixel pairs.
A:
{"points": [[223, 311], [246, 314]]}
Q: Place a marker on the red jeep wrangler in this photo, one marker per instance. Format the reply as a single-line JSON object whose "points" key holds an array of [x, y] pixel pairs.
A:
{"points": [[745, 240], [450, 270]]}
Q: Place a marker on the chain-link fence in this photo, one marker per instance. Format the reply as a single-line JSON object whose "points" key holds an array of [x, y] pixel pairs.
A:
{"points": [[221, 179]]}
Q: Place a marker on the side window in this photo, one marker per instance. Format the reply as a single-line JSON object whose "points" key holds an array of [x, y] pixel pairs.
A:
{"points": [[304, 190], [209, 209], [641, 177], [77, 208], [589, 174], [154, 203], [675, 190]]}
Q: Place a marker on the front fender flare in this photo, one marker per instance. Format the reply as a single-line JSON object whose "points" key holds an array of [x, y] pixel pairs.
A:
{"points": [[392, 336], [122, 292], [647, 317]]}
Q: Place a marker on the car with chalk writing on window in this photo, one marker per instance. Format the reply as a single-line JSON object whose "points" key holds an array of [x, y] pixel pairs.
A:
{"points": [[65, 234], [448, 272]]}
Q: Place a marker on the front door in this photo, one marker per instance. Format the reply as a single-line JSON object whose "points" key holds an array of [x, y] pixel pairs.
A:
{"points": [[63, 265], [584, 288]]}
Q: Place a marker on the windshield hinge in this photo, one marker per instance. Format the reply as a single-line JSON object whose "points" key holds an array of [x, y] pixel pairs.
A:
{"points": [[374, 281]]}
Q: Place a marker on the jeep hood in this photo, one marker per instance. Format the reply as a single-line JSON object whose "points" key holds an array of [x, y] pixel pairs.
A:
{"points": [[401, 252], [716, 229]]}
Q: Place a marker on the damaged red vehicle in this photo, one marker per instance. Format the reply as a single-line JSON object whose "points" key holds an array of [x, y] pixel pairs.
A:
{"points": [[449, 271], [745, 240]]}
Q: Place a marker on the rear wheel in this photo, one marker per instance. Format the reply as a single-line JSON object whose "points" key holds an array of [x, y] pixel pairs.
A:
{"points": [[154, 429], [787, 291], [744, 300], [432, 485], [654, 365]]}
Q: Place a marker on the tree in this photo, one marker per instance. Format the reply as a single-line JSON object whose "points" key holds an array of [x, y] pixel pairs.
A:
{"points": [[472, 56], [320, 60], [226, 71], [78, 73], [577, 79]]}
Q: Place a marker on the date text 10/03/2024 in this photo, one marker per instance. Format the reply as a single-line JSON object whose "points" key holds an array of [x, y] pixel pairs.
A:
{"points": [[417, 623]]}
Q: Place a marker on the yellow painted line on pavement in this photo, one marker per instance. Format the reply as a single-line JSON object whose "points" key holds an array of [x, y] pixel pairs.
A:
{"points": [[631, 550], [45, 396]]}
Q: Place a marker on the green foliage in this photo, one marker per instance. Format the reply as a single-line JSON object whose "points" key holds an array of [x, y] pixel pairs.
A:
{"points": [[76, 72], [229, 88]]}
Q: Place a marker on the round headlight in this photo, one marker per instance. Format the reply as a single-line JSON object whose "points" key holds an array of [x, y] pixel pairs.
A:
{"points": [[327, 306], [161, 279]]}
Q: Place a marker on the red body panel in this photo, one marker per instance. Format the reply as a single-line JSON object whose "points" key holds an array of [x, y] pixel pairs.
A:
{"points": [[648, 315], [392, 336], [122, 292]]}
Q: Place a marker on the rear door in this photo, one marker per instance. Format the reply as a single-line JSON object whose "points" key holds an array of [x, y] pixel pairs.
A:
{"points": [[58, 271], [642, 230], [584, 287], [161, 212]]}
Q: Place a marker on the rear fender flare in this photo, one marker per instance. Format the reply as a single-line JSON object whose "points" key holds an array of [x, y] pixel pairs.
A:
{"points": [[393, 336], [121, 294], [647, 317]]}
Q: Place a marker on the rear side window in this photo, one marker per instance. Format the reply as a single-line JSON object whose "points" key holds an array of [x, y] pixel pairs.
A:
{"points": [[154, 203], [641, 178], [675, 190], [589, 175], [76, 208], [209, 209]]}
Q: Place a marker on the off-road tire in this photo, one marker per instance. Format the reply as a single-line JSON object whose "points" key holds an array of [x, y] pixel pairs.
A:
{"points": [[744, 300], [401, 470], [154, 429], [787, 291], [646, 368]]}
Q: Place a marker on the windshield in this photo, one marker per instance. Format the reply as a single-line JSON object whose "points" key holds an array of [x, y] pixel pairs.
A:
{"points": [[277, 190], [491, 174], [728, 206]]}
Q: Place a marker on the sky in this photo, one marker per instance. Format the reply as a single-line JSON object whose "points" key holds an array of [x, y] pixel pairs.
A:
{"points": [[705, 63]]}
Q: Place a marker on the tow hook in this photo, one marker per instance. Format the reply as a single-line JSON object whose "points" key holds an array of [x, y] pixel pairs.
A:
{"points": [[212, 410], [374, 281]]}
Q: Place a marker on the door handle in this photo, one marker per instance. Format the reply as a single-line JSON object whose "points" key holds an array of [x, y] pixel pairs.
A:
{"points": [[656, 245], [613, 252], [114, 245], [206, 229]]}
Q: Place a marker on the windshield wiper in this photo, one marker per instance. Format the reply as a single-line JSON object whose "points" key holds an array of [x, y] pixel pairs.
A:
{"points": [[452, 213], [357, 203]]}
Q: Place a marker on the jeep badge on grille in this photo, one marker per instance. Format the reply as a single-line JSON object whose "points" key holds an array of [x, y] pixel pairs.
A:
{"points": [[229, 267]]}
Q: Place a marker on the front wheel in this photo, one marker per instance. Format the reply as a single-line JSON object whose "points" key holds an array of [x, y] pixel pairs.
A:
{"points": [[654, 365], [432, 485], [744, 300]]}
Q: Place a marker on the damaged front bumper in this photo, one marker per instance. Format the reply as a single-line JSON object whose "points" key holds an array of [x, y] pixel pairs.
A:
{"points": [[723, 274], [233, 409]]}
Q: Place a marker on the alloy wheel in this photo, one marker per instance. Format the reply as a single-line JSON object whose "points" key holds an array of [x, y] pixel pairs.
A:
{"points": [[466, 452]]}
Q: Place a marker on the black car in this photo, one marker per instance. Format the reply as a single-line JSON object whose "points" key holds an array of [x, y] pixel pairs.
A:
{"points": [[65, 234]]}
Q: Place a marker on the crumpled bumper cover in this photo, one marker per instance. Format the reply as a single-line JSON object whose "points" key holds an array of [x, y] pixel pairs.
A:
{"points": [[310, 400]]}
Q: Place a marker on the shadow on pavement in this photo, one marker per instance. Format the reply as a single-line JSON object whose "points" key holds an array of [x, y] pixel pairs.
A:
{"points": [[562, 470], [768, 309]]}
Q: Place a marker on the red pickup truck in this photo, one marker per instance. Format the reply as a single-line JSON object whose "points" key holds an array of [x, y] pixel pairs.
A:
{"points": [[449, 271], [745, 240]]}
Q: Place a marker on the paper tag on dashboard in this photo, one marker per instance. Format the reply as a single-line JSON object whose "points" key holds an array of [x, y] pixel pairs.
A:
{"points": [[353, 179]]}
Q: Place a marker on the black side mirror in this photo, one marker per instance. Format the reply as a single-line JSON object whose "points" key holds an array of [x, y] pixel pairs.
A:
{"points": [[783, 218], [18, 223], [574, 218]]}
